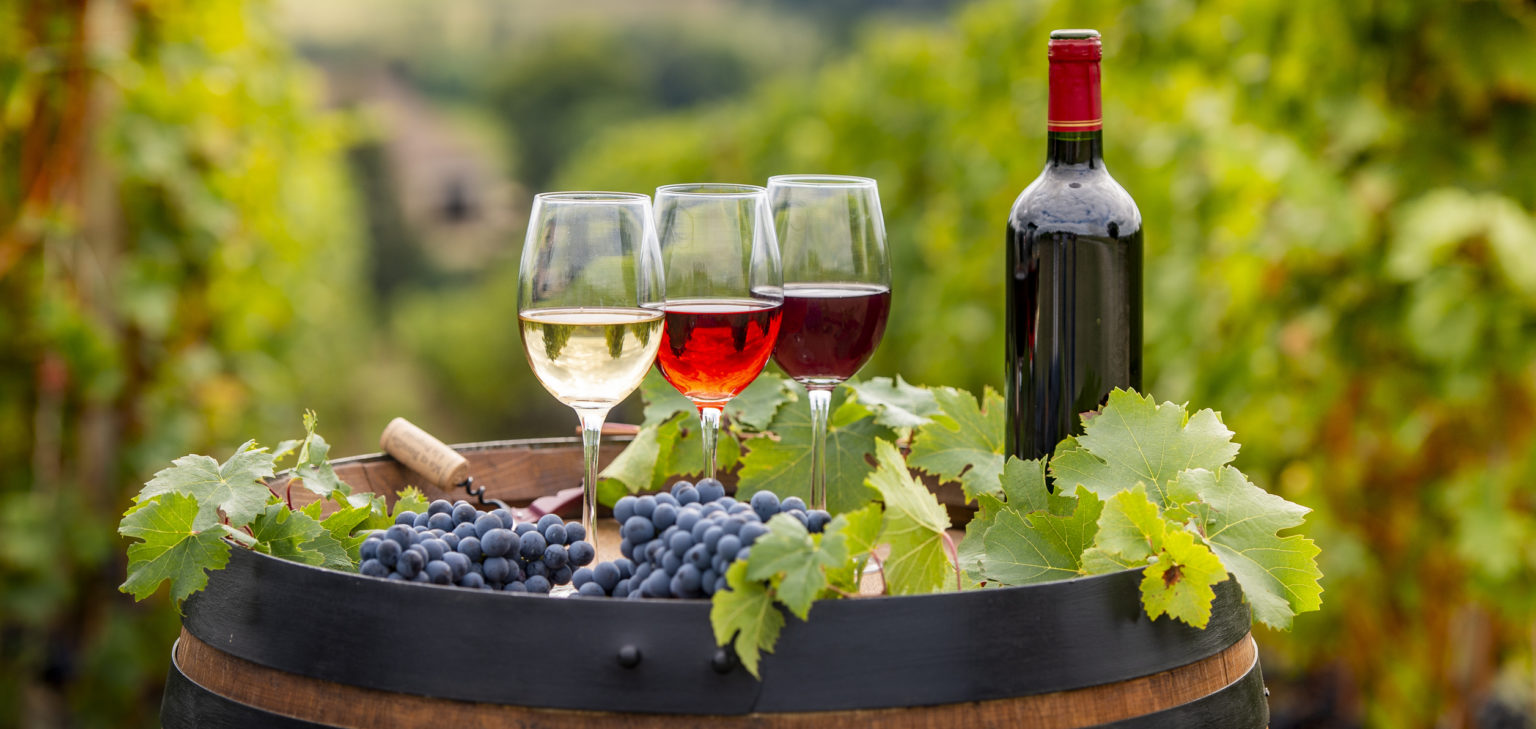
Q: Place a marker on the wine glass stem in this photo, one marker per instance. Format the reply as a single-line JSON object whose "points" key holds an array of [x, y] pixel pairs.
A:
{"points": [[709, 420], [821, 404], [591, 438]]}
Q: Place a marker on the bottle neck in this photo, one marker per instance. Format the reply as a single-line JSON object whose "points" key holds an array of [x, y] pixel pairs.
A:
{"points": [[1075, 148], [1075, 120]]}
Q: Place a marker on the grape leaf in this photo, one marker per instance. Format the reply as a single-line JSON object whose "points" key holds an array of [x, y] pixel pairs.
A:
{"points": [[237, 487], [972, 551], [409, 499], [287, 534], [744, 617], [756, 406], [635, 467], [1023, 548], [685, 456], [860, 529], [314, 467], [1130, 529], [1133, 439], [341, 549], [662, 400], [1023, 484], [914, 526], [1239, 520], [783, 465], [795, 561], [1179, 583], [895, 403], [964, 442], [180, 544]]}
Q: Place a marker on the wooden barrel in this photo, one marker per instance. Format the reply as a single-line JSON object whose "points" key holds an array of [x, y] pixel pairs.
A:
{"points": [[272, 643]]}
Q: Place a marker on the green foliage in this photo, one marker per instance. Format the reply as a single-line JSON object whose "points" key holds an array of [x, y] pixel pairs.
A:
{"points": [[1336, 200], [179, 544], [183, 516], [965, 441], [176, 239], [744, 617], [914, 527], [1188, 529]]}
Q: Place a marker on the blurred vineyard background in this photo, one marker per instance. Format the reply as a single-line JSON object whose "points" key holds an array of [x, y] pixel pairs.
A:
{"points": [[216, 213]]}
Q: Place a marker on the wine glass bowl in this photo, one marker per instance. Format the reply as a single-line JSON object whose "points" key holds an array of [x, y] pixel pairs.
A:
{"points": [[590, 291], [724, 294], [837, 289]]}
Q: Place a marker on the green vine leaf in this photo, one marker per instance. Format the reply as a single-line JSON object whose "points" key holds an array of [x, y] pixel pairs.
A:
{"points": [[795, 561], [745, 618], [964, 442], [860, 531], [180, 544], [783, 464], [914, 526], [1022, 548], [1130, 531], [288, 534], [896, 403], [1180, 582], [756, 406], [238, 487], [1133, 440], [1240, 522]]}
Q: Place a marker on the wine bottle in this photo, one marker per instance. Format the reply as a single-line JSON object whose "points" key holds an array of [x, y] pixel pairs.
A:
{"points": [[1074, 267]]}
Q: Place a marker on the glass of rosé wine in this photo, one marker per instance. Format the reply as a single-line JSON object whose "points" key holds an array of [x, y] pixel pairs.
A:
{"points": [[725, 295]]}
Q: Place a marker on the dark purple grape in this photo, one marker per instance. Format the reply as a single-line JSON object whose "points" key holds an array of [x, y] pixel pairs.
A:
{"points": [[459, 563], [533, 546], [440, 506], [581, 553], [464, 513], [537, 583], [624, 508], [555, 556], [406, 518], [440, 573], [497, 569], [554, 533], [470, 547], [591, 589], [574, 532], [374, 568], [472, 581], [500, 542]]}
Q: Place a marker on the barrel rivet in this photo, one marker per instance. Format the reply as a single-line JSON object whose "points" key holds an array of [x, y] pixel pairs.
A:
{"points": [[629, 656], [723, 661]]}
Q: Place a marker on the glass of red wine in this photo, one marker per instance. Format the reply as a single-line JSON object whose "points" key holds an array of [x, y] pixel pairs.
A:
{"points": [[725, 294], [837, 290]]}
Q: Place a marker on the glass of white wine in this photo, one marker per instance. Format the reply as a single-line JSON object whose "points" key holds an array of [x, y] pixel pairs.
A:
{"points": [[590, 292]]}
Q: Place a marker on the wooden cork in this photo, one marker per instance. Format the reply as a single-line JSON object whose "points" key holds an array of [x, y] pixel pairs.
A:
{"points": [[424, 454]]}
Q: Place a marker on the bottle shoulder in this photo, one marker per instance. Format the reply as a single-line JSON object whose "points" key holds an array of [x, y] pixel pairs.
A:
{"points": [[1075, 199]]}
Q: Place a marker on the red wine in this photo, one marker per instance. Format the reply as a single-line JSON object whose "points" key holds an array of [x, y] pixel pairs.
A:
{"points": [[714, 348], [1074, 268], [830, 330]]}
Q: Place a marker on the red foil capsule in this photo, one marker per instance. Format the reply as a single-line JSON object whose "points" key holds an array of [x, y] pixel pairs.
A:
{"points": [[1074, 57]]}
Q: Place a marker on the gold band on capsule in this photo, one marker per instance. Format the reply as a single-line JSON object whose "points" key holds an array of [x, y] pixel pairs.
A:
{"points": [[1076, 124]]}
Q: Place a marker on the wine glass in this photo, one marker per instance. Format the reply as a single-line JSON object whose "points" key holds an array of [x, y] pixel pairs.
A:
{"points": [[724, 295], [590, 291], [837, 290]]}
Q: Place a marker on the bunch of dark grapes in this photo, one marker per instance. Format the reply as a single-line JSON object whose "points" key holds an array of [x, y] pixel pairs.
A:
{"points": [[457, 544], [680, 544]]}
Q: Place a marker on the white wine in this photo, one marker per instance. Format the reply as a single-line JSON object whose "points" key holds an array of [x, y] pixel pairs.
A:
{"points": [[590, 358]]}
